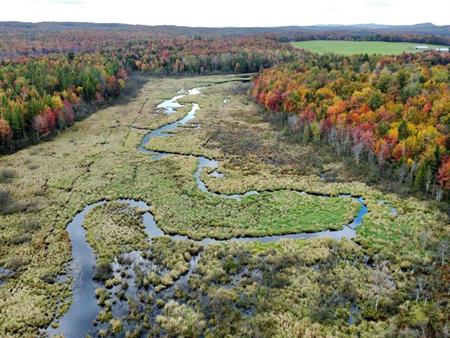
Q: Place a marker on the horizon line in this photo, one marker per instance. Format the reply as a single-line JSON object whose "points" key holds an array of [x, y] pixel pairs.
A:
{"points": [[219, 27]]}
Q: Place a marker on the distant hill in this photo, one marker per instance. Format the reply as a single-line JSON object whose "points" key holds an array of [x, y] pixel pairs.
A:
{"points": [[423, 28]]}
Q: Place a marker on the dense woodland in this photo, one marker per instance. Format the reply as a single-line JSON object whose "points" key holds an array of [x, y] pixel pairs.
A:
{"points": [[32, 30], [392, 111], [42, 86], [23, 40], [365, 36]]}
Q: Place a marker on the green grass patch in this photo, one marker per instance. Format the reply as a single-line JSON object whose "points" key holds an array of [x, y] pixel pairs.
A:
{"points": [[113, 229], [360, 47]]}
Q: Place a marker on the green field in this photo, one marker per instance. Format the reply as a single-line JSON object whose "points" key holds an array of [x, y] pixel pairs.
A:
{"points": [[359, 47]]}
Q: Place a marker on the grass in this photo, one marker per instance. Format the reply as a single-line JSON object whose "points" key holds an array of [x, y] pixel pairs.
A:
{"points": [[360, 47], [280, 285], [113, 229], [141, 282], [173, 256], [97, 159]]}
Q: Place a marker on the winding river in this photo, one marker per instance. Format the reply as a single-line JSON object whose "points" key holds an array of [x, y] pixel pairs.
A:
{"points": [[78, 320]]}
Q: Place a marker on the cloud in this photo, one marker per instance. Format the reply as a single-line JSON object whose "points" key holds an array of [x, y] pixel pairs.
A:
{"points": [[203, 13], [65, 2], [72, 2], [379, 3]]}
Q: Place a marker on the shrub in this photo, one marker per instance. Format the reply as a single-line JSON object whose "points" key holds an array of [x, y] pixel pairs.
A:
{"points": [[181, 320], [103, 271], [31, 226], [20, 239], [5, 201], [6, 175], [116, 325], [15, 263]]}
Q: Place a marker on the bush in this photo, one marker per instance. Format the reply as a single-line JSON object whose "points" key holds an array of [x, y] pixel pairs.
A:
{"points": [[15, 263], [31, 226], [6, 175], [103, 271], [5, 201], [181, 320], [9, 206], [48, 278], [116, 325], [20, 239]]}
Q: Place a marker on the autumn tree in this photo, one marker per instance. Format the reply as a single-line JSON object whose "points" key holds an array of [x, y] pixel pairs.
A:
{"points": [[397, 117]]}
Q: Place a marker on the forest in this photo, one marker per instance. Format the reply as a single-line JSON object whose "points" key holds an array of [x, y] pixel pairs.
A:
{"points": [[365, 36], [44, 86], [47, 75], [390, 111]]}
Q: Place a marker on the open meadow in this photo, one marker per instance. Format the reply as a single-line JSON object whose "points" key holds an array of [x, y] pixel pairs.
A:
{"points": [[362, 47]]}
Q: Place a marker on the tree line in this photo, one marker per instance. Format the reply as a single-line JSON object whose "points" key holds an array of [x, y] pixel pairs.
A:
{"points": [[363, 36], [393, 112]]}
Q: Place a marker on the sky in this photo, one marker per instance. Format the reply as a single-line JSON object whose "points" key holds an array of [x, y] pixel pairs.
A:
{"points": [[224, 13]]}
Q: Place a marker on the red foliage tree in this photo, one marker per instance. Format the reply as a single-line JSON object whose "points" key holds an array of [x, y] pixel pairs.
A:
{"points": [[444, 173], [5, 131], [46, 121], [273, 100], [400, 125], [69, 114]]}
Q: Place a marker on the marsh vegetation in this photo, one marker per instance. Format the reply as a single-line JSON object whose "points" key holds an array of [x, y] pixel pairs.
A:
{"points": [[389, 280]]}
